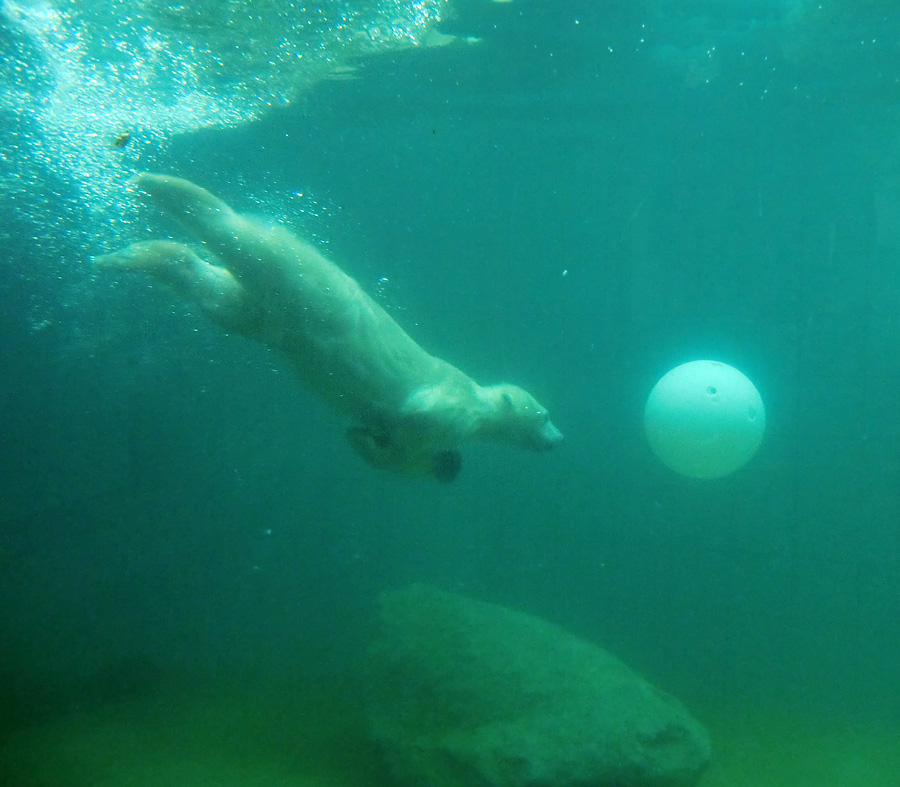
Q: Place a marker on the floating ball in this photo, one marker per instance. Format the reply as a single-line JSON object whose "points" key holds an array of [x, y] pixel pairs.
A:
{"points": [[704, 419]]}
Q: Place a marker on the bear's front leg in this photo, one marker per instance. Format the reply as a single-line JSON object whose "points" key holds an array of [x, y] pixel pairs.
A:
{"points": [[379, 450]]}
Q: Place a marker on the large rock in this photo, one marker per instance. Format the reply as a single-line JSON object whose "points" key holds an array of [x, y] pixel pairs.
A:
{"points": [[468, 694]]}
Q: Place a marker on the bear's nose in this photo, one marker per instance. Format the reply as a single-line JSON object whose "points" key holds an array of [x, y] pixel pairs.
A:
{"points": [[550, 436]]}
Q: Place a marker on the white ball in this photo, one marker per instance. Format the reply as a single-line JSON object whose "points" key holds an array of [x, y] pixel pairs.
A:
{"points": [[704, 419]]}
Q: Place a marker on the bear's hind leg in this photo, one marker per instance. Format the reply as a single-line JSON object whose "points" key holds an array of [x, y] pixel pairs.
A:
{"points": [[192, 278]]}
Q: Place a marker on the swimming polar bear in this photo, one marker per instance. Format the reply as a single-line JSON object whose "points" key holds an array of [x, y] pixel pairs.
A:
{"points": [[409, 411]]}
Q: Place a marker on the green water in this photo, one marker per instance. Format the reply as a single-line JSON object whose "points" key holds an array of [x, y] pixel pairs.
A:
{"points": [[571, 196]]}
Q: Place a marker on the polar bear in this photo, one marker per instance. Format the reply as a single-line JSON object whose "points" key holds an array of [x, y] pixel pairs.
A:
{"points": [[409, 411]]}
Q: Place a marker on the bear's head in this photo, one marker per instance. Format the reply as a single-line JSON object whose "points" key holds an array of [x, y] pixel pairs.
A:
{"points": [[517, 418], [424, 438]]}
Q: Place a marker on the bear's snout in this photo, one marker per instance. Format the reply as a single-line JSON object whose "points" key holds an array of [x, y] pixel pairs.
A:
{"points": [[548, 436]]}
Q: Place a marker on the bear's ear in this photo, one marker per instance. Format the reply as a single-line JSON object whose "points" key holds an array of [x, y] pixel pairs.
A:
{"points": [[446, 465], [507, 400]]}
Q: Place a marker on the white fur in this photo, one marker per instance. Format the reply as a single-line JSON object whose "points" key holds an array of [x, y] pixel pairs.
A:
{"points": [[410, 411]]}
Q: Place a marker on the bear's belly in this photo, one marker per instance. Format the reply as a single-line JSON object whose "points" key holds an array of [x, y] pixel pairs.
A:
{"points": [[365, 373]]}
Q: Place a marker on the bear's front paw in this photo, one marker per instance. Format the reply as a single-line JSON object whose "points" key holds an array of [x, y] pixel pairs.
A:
{"points": [[377, 448]]}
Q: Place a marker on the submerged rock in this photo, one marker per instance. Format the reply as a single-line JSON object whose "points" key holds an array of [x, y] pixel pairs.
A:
{"points": [[462, 693]]}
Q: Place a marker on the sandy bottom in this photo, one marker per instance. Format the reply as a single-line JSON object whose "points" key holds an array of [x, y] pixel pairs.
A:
{"points": [[774, 747], [209, 736], [285, 736]]}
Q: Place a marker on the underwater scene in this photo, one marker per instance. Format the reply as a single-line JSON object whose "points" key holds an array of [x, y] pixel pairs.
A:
{"points": [[450, 393]]}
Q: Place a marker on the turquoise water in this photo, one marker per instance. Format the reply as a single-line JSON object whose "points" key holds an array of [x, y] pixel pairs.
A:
{"points": [[572, 196]]}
